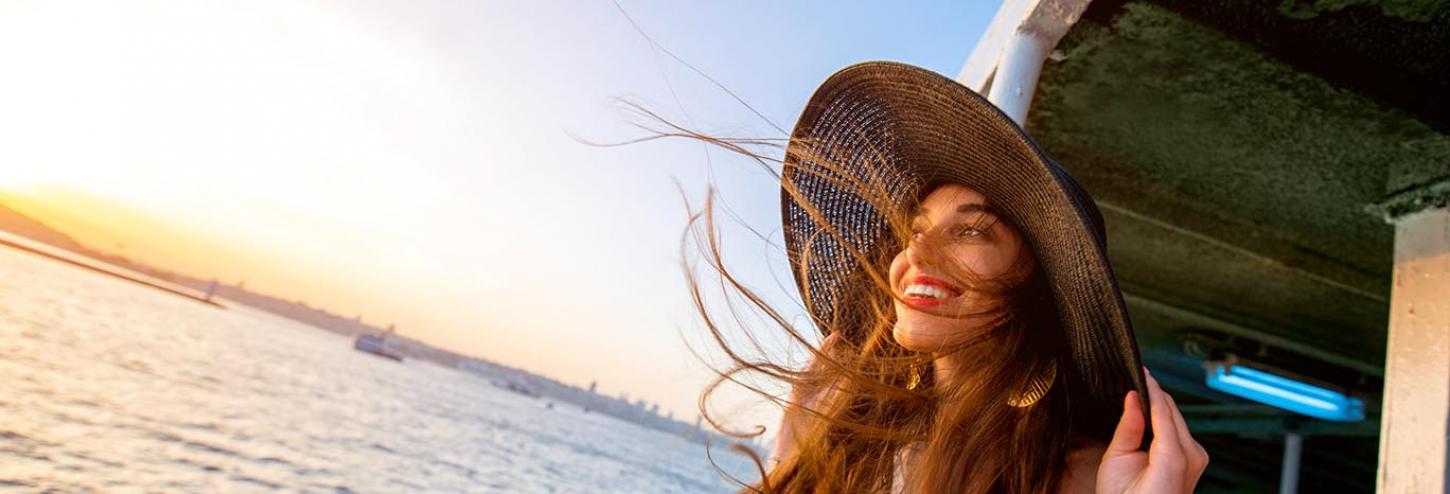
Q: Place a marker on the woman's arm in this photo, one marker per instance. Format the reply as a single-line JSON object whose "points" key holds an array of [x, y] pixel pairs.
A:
{"points": [[795, 417]]}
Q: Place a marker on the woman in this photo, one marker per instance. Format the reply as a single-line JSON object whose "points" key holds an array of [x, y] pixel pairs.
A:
{"points": [[976, 337]]}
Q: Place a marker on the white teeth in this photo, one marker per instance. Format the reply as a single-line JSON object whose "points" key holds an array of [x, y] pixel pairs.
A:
{"points": [[928, 291]]}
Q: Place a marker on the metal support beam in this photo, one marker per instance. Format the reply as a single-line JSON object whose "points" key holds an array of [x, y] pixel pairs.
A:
{"points": [[1248, 426], [1289, 475], [1327, 273], [1016, 80], [1200, 319], [1412, 455], [1006, 61]]}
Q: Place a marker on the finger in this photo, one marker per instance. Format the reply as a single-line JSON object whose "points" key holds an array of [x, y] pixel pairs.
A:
{"points": [[1179, 429], [1185, 438], [1192, 464], [827, 345], [830, 341], [1129, 432], [1197, 456], [1165, 447]]}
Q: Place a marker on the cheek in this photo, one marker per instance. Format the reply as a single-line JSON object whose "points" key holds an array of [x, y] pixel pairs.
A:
{"points": [[898, 268], [1003, 257], [990, 263], [983, 261]]}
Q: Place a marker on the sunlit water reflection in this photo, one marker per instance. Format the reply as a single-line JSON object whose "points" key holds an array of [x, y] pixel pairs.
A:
{"points": [[111, 387]]}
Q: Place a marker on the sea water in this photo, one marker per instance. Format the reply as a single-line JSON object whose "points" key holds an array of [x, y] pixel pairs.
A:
{"points": [[107, 386]]}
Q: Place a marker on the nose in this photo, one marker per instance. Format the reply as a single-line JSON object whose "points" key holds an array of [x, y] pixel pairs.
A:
{"points": [[914, 249]]}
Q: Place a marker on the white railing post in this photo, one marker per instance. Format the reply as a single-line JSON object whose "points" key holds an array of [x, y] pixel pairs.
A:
{"points": [[1005, 64]]}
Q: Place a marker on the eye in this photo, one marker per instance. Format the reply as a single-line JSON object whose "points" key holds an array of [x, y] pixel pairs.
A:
{"points": [[968, 232], [918, 227]]}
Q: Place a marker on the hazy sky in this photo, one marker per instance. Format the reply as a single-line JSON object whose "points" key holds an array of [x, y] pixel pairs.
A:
{"points": [[412, 161]]}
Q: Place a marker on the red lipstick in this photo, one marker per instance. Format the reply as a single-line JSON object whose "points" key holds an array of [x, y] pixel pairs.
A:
{"points": [[923, 302]]}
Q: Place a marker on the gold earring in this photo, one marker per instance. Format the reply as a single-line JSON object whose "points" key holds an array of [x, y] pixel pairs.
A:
{"points": [[913, 378], [1036, 389]]}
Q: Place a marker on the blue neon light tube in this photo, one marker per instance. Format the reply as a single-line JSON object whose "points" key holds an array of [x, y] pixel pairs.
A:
{"points": [[1282, 392]]}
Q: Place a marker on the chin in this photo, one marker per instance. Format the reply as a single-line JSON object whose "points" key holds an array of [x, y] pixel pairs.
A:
{"points": [[913, 343], [919, 332], [927, 333]]}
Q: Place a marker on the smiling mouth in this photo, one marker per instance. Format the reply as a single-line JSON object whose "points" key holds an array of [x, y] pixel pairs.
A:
{"points": [[925, 291]]}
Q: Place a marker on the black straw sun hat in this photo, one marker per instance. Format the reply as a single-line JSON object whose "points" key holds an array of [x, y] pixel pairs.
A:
{"points": [[908, 129]]}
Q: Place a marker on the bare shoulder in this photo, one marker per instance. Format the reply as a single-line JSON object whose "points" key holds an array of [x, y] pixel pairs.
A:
{"points": [[1082, 466]]}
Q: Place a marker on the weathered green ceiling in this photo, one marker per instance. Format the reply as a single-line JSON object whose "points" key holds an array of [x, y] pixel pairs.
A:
{"points": [[1234, 169], [1395, 51]]}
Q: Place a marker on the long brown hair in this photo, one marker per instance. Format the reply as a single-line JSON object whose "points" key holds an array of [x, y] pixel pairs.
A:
{"points": [[879, 398]]}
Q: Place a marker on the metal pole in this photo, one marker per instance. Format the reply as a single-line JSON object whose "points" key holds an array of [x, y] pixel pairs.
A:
{"points": [[1016, 79], [1289, 477], [1005, 63]]}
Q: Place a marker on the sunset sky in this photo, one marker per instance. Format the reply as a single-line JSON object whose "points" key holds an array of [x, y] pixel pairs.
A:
{"points": [[412, 162]]}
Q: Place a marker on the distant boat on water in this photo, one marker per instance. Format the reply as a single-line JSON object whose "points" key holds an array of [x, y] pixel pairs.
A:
{"points": [[516, 387], [376, 345]]}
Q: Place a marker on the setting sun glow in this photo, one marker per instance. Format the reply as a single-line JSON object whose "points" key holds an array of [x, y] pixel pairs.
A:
{"points": [[421, 163]]}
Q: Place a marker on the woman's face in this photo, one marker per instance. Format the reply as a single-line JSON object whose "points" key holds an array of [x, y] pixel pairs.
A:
{"points": [[953, 229]]}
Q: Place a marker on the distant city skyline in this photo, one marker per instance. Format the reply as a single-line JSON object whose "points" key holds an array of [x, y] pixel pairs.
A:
{"points": [[414, 163]]}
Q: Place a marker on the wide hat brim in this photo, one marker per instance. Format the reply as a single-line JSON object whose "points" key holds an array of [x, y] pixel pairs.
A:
{"points": [[910, 128]]}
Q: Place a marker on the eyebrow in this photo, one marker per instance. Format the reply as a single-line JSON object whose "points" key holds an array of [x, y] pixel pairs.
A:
{"points": [[970, 207]]}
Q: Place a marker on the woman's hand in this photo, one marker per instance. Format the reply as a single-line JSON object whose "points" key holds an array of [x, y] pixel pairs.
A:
{"points": [[1173, 462], [800, 396]]}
